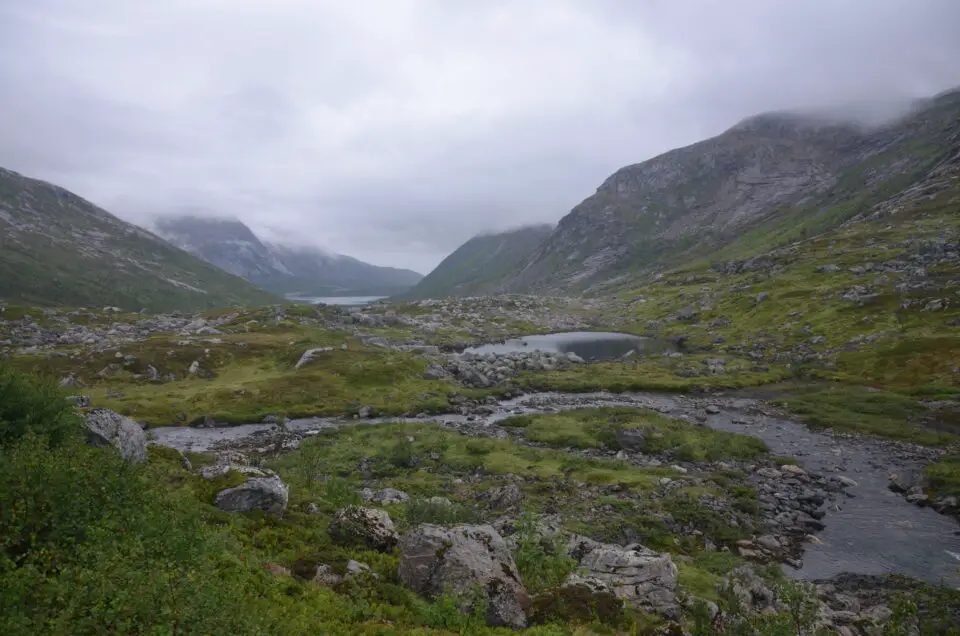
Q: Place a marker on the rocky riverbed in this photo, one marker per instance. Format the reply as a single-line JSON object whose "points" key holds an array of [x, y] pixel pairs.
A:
{"points": [[839, 493]]}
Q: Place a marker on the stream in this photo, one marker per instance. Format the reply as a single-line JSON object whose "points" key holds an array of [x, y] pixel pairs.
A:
{"points": [[872, 531]]}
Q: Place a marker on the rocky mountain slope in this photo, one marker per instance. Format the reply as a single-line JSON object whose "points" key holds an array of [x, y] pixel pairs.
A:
{"points": [[481, 265], [767, 181], [59, 249], [231, 245]]}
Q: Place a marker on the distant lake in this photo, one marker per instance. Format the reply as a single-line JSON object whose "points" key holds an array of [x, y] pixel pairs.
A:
{"points": [[348, 301]]}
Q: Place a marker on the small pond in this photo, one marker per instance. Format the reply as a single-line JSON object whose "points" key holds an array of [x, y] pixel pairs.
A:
{"points": [[590, 345]]}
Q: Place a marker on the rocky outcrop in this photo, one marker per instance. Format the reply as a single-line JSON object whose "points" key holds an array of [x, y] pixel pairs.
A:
{"points": [[642, 578], [465, 560], [107, 428], [369, 527]]}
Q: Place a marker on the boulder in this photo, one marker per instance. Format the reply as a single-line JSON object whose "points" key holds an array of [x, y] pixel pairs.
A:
{"points": [[108, 428], [465, 560], [267, 493], [364, 526], [644, 579]]}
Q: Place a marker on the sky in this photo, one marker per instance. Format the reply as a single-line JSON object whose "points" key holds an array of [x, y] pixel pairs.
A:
{"points": [[394, 130]]}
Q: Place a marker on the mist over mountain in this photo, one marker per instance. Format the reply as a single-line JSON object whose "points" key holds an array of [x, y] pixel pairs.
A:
{"points": [[283, 269]]}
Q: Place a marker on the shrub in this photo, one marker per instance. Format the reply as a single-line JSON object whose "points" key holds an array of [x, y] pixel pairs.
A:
{"points": [[29, 404], [540, 558]]}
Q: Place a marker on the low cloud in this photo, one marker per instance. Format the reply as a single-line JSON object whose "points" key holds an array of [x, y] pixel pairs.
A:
{"points": [[395, 131]]}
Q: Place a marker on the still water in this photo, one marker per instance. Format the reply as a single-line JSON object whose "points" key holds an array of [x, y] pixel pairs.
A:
{"points": [[346, 301], [589, 345]]}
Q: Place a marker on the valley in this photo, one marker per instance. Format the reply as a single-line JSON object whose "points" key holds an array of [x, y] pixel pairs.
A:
{"points": [[721, 396]]}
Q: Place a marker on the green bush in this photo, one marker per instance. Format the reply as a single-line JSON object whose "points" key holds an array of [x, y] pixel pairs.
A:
{"points": [[541, 559], [28, 404]]}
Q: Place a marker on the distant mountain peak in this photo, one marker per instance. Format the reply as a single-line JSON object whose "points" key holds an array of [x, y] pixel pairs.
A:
{"points": [[283, 268]]}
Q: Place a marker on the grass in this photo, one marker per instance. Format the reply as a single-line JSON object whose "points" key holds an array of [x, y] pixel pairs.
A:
{"points": [[246, 375], [598, 428], [944, 476], [865, 410]]}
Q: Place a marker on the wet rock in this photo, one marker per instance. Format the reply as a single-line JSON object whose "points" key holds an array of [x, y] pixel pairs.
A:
{"points": [[107, 428], [268, 493], [370, 527], [463, 560]]}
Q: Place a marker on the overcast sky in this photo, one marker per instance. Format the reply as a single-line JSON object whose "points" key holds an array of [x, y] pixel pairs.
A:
{"points": [[393, 130]]}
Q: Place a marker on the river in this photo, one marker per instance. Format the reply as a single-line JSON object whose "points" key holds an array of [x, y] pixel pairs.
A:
{"points": [[873, 531]]}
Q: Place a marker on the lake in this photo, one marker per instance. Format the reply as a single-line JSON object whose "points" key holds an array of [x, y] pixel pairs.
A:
{"points": [[347, 301], [589, 345]]}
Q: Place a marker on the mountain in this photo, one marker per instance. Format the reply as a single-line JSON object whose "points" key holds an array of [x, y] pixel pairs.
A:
{"points": [[59, 249], [232, 246], [769, 180], [481, 265]]}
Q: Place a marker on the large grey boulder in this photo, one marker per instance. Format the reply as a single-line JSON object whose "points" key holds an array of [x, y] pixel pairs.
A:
{"points": [[267, 493], [464, 560], [364, 526], [644, 579], [108, 428]]}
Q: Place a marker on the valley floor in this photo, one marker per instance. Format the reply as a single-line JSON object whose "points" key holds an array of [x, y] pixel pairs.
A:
{"points": [[854, 334]]}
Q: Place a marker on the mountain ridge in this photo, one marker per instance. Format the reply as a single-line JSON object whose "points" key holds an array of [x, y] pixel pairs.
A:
{"points": [[774, 173], [480, 265], [57, 248], [284, 269]]}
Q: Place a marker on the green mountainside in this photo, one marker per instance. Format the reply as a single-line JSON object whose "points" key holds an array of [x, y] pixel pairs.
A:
{"points": [[59, 249], [770, 180], [480, 265]]}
